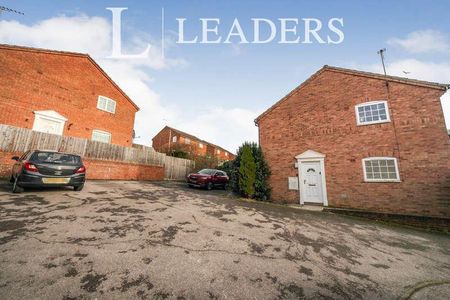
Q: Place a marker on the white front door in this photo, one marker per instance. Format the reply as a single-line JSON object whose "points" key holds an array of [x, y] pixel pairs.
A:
{"points": [[311, 182]]}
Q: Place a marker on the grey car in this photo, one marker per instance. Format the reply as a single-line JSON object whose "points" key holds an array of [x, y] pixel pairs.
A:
{"points": [[38, 168]]}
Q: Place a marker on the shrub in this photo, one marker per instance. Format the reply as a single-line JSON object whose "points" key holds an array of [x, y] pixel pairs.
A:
{"points": [[204, 162], [262, 172], [247, 172], [262, 188], [180, 154]]}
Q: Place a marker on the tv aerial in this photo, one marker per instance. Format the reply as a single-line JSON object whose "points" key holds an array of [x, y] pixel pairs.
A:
{"points": [[7, 9]]}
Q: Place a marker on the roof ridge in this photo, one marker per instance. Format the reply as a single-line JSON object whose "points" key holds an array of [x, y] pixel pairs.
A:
{"points": [[399, 79], [197, 138], [42, 50], [388, 77], [75, 54]]}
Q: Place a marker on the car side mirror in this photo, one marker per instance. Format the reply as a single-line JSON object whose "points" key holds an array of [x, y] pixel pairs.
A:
{"points": [[16, 158]]}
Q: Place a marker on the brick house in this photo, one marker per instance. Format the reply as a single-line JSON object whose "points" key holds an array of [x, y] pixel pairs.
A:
{"points": [[170, 139], [360, 140], [63, 93]]}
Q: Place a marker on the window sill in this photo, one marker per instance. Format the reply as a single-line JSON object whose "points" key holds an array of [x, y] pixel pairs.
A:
{"points": [[107, 111], [382, 181], [373, 123]]}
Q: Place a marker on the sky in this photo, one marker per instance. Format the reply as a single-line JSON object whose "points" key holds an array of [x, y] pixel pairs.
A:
{"points": [[215, 91]]}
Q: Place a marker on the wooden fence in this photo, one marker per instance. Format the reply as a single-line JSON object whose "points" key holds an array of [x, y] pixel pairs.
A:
{"points": [[14, 139]]}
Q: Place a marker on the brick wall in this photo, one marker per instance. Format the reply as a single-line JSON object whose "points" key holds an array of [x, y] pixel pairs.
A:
{"points": [[98, 169], [161, 143], [101, 169], [321, 117], [67, 84]]}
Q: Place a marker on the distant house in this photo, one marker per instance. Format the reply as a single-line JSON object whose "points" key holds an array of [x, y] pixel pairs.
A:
{"points": [[360, 140], [170, 139], [63, 93]]}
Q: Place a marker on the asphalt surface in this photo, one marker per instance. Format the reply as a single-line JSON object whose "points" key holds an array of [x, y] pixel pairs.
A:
{"points": [[162, 240]]}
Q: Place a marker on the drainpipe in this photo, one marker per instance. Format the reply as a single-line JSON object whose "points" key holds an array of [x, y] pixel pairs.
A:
{"points": [[170, 139], [259, 133]]}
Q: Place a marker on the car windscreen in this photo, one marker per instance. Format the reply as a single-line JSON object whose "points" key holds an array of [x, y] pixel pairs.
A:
{"points": [[55, 158], [206, 172]]}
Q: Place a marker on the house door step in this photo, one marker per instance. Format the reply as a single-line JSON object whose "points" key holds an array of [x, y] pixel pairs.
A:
{"points": [[308, 206]]}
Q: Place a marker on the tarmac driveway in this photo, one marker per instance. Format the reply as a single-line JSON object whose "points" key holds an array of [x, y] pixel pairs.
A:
{"points": [[117, 240]]}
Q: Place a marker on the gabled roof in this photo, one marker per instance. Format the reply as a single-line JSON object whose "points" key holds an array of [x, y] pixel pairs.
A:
{"points": [[72, 54], [192, 137], [403, 80]]}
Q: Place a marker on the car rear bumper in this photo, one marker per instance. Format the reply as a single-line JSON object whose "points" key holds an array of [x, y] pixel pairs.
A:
{"points": [[31, 180]]}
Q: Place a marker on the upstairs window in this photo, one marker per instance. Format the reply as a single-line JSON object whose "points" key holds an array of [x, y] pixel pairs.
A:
{"points": [[200, 145], [226, 153], [106, 104], [218, 151], [187, 141], [101, 136], [174, 139], [380, 169], [372, 113]]}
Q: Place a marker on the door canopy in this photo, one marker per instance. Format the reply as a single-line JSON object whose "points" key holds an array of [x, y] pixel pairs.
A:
{"points": [[310, 154]]}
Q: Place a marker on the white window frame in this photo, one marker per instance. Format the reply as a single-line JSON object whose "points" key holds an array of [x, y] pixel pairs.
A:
{"points": [[388, 117], [380, 179], [107, 100], [226, 153], [174, 139], [218, 151], [187, 141], [200, 145], [101, 132]]}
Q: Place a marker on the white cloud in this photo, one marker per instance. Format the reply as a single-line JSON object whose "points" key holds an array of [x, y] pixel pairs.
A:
{"points": [[92, 35], [417, 69], [79, 34], [228, 128], [423, 41]]}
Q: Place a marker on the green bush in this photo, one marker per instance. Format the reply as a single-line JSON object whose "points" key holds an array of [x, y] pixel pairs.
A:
{"points": [[180, 154], [204, 162], [247, 173], [262, 188], [262, 172]]}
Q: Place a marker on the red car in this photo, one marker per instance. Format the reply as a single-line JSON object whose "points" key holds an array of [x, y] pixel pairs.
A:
{"points": [[208, 178]]}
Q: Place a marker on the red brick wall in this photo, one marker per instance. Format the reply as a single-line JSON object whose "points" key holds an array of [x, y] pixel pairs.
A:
{"points": [[99, 169], [6, 163], [67, 84], [161, 144], [321, 117]]}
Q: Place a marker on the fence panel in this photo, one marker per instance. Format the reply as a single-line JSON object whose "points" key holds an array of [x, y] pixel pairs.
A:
{"points": [[15, 139]]}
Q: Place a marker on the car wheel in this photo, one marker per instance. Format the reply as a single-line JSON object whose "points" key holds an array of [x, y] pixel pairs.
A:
{"points": [[209, 186], [78, 188], [16, 188], [11, 179], [225, 186]]}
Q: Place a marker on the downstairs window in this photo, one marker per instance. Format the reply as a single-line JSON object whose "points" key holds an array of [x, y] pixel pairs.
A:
{"points": [[381, 169]]}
